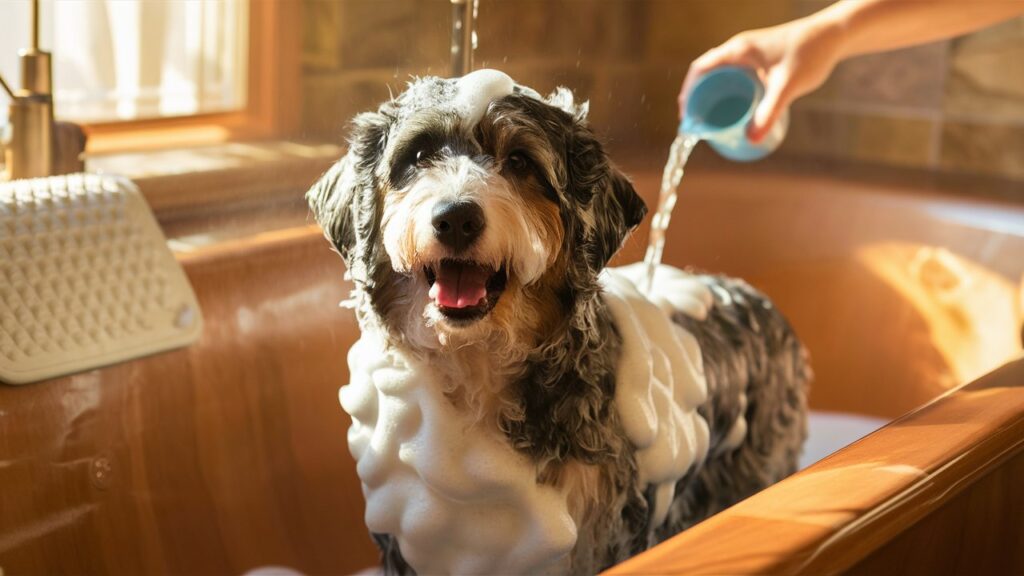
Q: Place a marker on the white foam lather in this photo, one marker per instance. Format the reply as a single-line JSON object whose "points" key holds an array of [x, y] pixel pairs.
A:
{"points": [[86, 278], [460, 499]]}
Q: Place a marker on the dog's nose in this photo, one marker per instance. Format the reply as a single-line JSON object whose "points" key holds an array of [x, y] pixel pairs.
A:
{"points": [[457, 224]]}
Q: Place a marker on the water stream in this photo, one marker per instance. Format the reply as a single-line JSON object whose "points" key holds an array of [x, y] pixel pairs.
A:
{"points": [[678, 154]]}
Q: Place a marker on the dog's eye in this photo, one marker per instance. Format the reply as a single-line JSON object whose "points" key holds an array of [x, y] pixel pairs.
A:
{"points": [[518, 162], [423, 158]]}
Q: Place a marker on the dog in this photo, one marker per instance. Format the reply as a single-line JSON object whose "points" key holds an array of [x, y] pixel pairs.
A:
{"points": [[502, 404]]}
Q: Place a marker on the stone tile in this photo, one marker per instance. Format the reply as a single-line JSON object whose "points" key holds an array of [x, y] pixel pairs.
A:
{"points": [[580, 30], [814, 132], [394, 33], [330, 101], [624, 27], [545, 77], [514, 31], [891, 140], [991, 149], [803, 8], [618, 106], [681, 30], [636, 106], [986, 75], [320, 22], [909, 78], [658, 102]]}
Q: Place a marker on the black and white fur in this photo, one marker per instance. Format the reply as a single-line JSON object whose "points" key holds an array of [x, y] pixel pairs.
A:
{"points": [[555, 210]]}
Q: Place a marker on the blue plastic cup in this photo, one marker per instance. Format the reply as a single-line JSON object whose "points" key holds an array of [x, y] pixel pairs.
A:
{"points": [[720, 106]]}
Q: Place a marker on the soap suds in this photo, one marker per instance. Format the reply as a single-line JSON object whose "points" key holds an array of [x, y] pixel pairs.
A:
{"points": [[459, 499], [660, 381], [476, 90]]}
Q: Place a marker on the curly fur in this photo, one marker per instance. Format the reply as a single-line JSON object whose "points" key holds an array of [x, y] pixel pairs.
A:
{"points": [[541, 366]]}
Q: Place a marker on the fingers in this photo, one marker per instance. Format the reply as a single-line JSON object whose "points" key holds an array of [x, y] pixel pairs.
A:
{"points": [[776, 98], [738, 51]]}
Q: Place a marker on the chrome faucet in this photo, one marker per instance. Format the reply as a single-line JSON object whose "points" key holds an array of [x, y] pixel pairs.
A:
{"points": [[463, 36], [34, 148]]}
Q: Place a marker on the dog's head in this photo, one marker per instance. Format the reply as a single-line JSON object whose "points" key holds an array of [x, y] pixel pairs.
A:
{"points": [[473, 204]]}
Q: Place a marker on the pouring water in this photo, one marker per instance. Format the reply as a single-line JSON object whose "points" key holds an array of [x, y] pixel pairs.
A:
{"points": [[718, 109], [678, 154]]}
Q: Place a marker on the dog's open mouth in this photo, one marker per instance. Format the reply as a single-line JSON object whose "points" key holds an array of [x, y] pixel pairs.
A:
{"points": [[464, 291]]}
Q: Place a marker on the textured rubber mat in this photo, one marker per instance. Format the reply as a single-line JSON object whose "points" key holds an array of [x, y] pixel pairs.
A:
{"points": [[86, 278]]}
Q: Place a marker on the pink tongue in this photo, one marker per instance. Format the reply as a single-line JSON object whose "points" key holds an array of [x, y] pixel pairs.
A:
{"points": [[459, 285]]}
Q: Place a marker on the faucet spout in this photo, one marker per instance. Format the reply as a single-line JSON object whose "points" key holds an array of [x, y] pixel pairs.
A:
{"points": [[463, 36], [35, 25], [30, 151], [7, 89]]}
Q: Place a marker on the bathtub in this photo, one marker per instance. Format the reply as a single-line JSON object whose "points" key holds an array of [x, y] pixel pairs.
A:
{"points": [[910, 302], [230, 455]]}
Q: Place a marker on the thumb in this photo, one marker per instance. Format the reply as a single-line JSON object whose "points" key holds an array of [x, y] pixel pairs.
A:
{"points": [[768, 111]]}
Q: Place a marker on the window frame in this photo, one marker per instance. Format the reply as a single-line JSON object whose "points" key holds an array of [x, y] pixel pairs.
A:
{"points": [[273, 102]]}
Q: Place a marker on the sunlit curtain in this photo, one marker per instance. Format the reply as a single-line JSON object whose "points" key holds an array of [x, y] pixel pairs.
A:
{"points": [[124, 59]]}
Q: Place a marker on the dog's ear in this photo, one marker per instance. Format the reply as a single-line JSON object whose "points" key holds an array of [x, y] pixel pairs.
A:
{"points": [[627, 210], [605, 192], [330, 199], [343, 199]]}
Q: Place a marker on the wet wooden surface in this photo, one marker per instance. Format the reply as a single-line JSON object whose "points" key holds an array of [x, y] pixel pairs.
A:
{"points": [[900, 293], [851, 508], [215, 459], [231, 454], [977, 532]]}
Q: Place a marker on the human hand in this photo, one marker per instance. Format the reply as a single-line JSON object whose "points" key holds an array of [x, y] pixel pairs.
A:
{"points": [[791, 60]]}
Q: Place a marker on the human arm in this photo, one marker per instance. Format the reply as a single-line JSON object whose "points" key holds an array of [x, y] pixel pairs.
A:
{"points": [[797, 57]]}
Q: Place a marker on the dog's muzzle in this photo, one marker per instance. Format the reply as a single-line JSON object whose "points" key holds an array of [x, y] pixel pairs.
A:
{"points": [[457, 224], [462, 289]]}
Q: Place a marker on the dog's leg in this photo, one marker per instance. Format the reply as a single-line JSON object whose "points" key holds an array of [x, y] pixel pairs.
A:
{"points": [[757, 376], [391, 556]]}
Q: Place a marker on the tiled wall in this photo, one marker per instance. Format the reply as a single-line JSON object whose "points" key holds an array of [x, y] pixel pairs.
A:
{"points": [[951, 106], [954, 106]]}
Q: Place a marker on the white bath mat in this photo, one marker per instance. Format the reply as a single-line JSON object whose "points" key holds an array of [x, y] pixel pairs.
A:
{"points": [[86, 278]]}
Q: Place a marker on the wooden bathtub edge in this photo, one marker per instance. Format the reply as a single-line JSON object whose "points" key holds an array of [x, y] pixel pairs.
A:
{"points": [[773, 531], [825, 519], [246, 246], [880, 524]]}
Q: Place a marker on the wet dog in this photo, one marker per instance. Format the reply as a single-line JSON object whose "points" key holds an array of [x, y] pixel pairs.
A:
{"points": [[476, 219]]}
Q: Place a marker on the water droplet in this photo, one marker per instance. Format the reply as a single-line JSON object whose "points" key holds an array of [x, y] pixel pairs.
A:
{"points": [[101, 472], [185, 317]]}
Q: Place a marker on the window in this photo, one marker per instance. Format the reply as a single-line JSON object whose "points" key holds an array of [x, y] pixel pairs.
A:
{"points": [[115, 60], [152, 73]]}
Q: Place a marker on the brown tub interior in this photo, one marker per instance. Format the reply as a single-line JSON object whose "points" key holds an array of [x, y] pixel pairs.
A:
{"points": [[231, 454]]}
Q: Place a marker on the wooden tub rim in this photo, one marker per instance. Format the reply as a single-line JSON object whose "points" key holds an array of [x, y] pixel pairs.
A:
{"points": [[767, 533], [735, 541]]}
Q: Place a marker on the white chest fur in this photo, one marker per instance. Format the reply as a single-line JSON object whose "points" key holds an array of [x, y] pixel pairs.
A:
{"points": [[459, 499]]}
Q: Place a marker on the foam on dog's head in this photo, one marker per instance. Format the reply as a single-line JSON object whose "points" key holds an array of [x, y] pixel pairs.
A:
{"points": [[476, 90]]}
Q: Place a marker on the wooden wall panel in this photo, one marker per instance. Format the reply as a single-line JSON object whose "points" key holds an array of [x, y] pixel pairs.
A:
{"points": [[218, 458]]}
